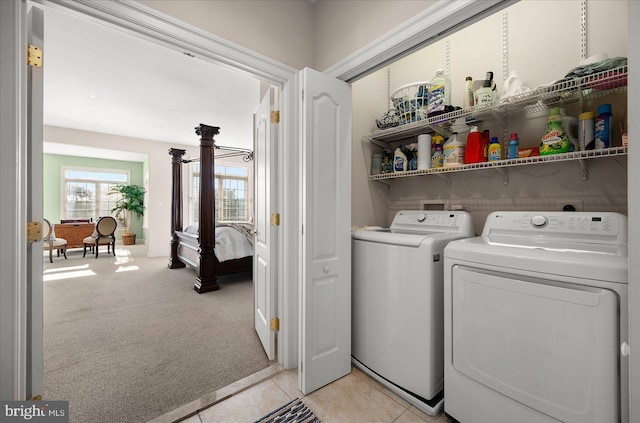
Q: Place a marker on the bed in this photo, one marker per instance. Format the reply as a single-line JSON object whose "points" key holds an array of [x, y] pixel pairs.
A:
{"points": [[211, 249]]}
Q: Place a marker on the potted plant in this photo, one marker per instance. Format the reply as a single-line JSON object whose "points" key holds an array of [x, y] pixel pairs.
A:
{"points": [[131, 202]]}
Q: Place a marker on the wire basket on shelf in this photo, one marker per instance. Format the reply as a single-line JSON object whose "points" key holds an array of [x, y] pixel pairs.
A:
{"points": [[410, 102]]}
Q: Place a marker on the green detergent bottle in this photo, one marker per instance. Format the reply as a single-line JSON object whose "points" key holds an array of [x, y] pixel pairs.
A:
{"points": [[555, 140]]}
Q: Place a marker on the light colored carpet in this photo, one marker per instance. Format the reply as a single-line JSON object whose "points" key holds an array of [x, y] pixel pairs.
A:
{"points": [[127, 339]]}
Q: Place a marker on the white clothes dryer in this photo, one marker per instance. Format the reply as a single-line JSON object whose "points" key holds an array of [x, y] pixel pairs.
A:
{"points": [[536, 320], [397, 302]]}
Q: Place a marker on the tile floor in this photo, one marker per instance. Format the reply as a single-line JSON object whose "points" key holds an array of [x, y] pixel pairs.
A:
{"points": [[351, 399]]}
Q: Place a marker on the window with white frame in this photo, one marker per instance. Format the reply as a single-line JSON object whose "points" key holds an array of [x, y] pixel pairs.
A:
{"points": [[233, 192], [85, 192]]}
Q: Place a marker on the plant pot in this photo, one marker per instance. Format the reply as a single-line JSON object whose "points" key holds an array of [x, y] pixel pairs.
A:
{"points": [[128, 239]]}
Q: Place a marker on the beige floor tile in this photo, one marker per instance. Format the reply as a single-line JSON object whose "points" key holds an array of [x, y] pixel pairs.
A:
{"points": [[192, 419], [248, 405], [351, 400], [288, 381], [409, 417], [359, 373]]}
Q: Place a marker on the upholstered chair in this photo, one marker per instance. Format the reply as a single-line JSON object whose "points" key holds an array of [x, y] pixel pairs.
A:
{"points": [[50, 242], [104, 234]]}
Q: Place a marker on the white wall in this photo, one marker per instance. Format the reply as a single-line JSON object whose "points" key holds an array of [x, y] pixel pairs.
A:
{"points": [[343, 27], [158, 207], [281, 30], [541, 48]]}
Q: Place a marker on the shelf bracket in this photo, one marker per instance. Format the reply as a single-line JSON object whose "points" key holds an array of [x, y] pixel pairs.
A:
{"points": [[584, 170], [505, 175], [387, 183]]}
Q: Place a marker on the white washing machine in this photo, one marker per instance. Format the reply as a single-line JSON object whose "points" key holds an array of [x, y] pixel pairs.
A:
{"points": [[536, 320], [397, 302]]}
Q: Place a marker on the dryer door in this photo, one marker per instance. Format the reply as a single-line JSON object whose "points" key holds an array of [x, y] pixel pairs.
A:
{"points": [[551, 346]]}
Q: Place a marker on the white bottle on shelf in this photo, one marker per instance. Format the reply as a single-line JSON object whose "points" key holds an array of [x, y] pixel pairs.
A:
{"points": [[453, 151]]}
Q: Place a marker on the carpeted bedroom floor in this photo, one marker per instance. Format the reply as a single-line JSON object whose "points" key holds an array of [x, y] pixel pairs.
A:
{"points": [[126, 339]]}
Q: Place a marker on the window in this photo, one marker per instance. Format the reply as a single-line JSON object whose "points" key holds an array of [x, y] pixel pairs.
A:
{"points": [[232, 200], [86, 192]]}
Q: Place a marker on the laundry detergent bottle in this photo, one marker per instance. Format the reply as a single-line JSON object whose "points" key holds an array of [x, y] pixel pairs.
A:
{"points": [[453, 151], [555, 140], [474, 153]]}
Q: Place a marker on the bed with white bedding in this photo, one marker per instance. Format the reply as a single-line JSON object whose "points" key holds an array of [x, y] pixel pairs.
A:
{"points": [[233, 241], [211, 249]]}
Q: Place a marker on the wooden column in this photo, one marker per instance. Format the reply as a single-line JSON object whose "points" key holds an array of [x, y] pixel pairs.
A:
{"points": [[206, 280], [176, 206]]}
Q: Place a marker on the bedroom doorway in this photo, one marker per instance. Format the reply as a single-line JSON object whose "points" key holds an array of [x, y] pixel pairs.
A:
{"points": [[166, 164]]}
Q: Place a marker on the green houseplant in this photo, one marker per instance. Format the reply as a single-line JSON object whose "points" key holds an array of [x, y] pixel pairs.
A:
{"points": [[131, 202]]}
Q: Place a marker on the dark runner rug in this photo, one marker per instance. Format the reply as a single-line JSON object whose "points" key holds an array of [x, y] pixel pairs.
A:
{"points": [[293, 412]]}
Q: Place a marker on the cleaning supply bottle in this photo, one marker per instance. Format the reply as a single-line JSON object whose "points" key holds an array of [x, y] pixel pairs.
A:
{"points": [[474, 152], [468, 100], [486, 140], [453, 151], [495, 151], [555, 140], [603, 127], [412, 156], [399, 161], [487, 93], [437, 158], [438, 94], [586, 136], [514, 143]]}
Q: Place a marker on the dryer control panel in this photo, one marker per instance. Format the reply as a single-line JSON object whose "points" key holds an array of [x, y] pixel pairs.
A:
{"points": [[598, 228]]}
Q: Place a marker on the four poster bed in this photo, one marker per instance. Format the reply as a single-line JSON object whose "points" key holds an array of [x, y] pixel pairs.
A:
{"points": [[211, 249]]}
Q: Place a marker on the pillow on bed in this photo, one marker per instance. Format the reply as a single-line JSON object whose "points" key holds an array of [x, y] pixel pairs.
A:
{"points": [[192, 229]]}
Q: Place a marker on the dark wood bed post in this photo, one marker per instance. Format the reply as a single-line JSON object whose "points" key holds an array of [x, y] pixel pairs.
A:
{"points": [[206, 280], [176, 206]]}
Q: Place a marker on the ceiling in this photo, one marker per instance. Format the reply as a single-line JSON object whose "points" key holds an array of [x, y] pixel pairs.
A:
{"points": [[100, 79]]}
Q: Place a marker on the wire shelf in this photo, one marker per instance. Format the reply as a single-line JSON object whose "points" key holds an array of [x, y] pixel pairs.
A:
{"points": [[499, 164], [562, 93]]}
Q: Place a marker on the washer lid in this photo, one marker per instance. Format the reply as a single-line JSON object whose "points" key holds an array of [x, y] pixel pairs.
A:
{"points": [[385, 236], [412, 227]]}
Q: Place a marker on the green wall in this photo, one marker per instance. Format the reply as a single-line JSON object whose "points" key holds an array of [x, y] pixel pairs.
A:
{"points": [[52, 174]]}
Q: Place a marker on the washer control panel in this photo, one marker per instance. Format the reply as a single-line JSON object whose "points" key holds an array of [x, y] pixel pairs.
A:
{"points": [[421, 221]]}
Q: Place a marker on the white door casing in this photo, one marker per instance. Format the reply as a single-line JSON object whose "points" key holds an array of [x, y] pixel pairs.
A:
{"points": [[35, 107], [265, 240], [326, 230]]}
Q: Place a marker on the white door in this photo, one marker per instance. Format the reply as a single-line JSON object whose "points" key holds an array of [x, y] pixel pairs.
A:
{"points": [[325, 309], [21, 173], [265, 241]]}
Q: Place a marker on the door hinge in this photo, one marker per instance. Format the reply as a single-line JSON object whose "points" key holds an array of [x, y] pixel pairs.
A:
{"points": [[34, 56], [275, 219], [275, 116], [275, 324], [302, 95], [34, 231], [35, 398]]}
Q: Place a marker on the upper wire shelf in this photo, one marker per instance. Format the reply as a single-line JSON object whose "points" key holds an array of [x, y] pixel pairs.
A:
{"points": [[562, 93]]}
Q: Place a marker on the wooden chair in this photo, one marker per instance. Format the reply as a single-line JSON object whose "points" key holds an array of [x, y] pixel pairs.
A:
{"points": [[104, 234], [50, 242]]}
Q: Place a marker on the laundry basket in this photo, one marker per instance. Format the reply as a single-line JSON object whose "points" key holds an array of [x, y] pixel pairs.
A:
{"points": [[410, 102]]}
